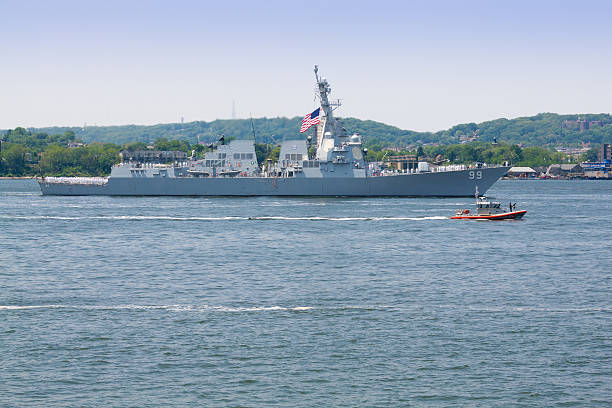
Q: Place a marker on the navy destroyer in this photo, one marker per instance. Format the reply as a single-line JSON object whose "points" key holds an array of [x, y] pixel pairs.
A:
{"points": [[336, 167]]}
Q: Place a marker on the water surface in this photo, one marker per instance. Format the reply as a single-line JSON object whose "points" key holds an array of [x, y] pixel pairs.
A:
{"points": [[306, 302]]}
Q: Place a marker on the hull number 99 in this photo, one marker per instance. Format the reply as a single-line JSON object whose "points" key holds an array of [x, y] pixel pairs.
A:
{"points": [[475, 175]]}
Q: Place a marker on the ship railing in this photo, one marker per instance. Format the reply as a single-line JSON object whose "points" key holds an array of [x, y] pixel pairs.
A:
{"points": [[432, 169], [451, 167], [97, 181], [460, 167], [148, 165]]}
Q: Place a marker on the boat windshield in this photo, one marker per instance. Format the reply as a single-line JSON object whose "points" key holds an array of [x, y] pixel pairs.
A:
{"points": [[488, 205]]}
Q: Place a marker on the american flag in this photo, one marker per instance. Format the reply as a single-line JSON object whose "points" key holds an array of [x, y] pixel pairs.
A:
{"points": [[310, 119]]}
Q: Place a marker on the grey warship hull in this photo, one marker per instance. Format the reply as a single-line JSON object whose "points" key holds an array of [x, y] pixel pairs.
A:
{"points": [[332, 163], [462, 183]]}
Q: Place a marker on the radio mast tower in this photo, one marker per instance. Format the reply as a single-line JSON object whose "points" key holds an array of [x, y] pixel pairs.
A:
{"points": [[233, 109]]}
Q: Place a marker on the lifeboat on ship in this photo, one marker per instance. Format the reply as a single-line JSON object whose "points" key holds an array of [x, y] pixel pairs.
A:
{"points": [[489, 210]]}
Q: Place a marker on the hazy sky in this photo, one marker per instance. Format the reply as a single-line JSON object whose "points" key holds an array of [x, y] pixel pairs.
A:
{"points": [[421, 65]]}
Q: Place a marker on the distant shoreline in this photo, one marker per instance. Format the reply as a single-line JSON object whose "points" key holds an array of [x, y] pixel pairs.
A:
{"points": [[17, 178]]}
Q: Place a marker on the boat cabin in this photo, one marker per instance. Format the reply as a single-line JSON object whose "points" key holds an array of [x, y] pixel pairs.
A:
{"points": [[485, 207]]}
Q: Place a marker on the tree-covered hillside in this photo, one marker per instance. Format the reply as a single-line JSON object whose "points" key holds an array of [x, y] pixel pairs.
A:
{"points": [[268, 130], [539, 130]]}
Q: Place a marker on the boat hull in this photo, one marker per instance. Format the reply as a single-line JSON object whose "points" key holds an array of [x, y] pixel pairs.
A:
{"points": [[514, 215], [436, 184]]}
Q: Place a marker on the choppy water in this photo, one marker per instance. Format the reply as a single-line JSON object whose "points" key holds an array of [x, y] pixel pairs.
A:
{"points": [[155, 302]]}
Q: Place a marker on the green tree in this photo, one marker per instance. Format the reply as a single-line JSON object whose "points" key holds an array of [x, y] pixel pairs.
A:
{"points": [[54, 160], [274, 154], [262, 151], [589, 156], [420, 152], [133, 146], [165, 144], [13, 159]]}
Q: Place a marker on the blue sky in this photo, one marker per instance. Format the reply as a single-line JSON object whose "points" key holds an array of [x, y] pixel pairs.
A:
{"points": [[421, 65]]}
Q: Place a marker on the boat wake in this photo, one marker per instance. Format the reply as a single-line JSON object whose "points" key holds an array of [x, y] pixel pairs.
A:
{"points": [[348, 218], [19, 193], [195, 308], [212, 308], [228, 218]]}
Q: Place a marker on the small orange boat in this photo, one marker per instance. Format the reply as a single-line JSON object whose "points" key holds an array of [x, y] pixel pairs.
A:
{"points": [[489, 210]]}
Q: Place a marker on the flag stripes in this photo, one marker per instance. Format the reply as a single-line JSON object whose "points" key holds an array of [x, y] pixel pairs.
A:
{"points": [[310, 119]]}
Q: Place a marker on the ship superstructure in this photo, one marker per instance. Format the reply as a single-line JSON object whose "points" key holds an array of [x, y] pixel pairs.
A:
{"points": [[235, 159]]}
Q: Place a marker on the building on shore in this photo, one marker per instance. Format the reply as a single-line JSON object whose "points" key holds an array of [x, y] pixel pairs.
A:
{"points": [[602, 168], [565, 170], [405, 163], [521, 172], [581, 124], [540, 170], [604, 153], [598, 170], [465, 138], [575, 152]]}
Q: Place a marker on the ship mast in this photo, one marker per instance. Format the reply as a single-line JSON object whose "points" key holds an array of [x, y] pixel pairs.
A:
{"points": [[324, 90], [329, 124]]}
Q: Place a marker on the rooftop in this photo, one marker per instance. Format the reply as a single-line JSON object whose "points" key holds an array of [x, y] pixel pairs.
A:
{"points": [[521, 170]]}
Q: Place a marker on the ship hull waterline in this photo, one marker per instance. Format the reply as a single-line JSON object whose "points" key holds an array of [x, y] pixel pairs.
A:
{"points": [[436, 184]]}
